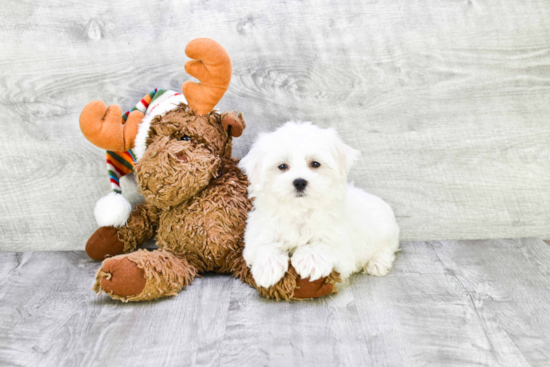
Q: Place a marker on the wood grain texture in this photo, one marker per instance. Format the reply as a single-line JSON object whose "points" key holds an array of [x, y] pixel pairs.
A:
{"points": [[450, 303], [447, 100]]}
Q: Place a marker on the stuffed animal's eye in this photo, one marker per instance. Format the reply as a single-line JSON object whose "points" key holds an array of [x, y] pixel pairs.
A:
{"points": [[283, 167], [315, 164], [185, 138]]}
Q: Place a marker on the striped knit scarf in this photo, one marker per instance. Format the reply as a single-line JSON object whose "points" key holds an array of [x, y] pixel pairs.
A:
{"points": [[114, 209], [122, 163]]}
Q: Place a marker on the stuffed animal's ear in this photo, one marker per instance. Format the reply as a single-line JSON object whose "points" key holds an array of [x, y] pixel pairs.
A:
{"points": [[233, 122]]}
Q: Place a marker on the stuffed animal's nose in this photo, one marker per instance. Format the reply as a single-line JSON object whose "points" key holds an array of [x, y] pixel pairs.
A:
{"points": [[182, 157], [300, 184]]}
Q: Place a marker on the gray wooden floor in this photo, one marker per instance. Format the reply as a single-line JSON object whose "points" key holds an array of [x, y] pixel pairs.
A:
{"points": [[449, 303]]}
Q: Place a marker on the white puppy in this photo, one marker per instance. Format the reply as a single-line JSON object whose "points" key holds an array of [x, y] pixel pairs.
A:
{"points": [[305, 209]]}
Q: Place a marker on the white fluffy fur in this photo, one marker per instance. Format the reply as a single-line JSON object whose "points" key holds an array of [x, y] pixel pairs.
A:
{"points": [[334, 225], [112, 210], [153, 111]]}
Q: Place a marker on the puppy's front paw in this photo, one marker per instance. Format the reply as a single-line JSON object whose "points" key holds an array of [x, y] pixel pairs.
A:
{"points": [[311, 264], [267, 270]]}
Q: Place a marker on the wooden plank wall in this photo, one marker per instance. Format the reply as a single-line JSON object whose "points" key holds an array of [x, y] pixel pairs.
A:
{"points": [[449, 101]]}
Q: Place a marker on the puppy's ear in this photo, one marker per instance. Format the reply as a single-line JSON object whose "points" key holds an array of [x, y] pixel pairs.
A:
{"points": [[251, 163], [345, 156]]}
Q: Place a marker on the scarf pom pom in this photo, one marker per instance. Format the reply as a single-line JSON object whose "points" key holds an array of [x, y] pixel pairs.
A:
{"points": [[112, 210]]}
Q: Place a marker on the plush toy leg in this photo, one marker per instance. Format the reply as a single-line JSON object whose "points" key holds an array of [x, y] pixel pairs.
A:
{"points": [[104, 243], [305, 289], [291, 286], [110, 241], [143, 275]]}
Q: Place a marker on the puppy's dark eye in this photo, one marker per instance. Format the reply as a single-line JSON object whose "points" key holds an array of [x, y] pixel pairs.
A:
{"points": [[185, 138], [283, 167], [315, 164]]}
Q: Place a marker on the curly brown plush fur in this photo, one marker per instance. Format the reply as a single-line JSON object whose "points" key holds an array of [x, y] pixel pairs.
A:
{"points": [[196, 206]]}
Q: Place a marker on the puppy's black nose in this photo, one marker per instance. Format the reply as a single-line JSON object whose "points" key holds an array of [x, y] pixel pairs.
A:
{"points": [[300, 184]]}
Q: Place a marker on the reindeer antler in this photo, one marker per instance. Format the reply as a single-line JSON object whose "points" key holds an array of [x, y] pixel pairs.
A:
{"points": [[104, 127], [212, 66]]}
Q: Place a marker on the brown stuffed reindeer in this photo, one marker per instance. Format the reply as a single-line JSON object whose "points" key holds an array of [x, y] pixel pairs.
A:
{"points": [[196, 201]]}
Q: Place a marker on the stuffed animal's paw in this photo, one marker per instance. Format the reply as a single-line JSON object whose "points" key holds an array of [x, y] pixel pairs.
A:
{"points": [[104, 243], [121, 277], [314, 289], [144, 275]]}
